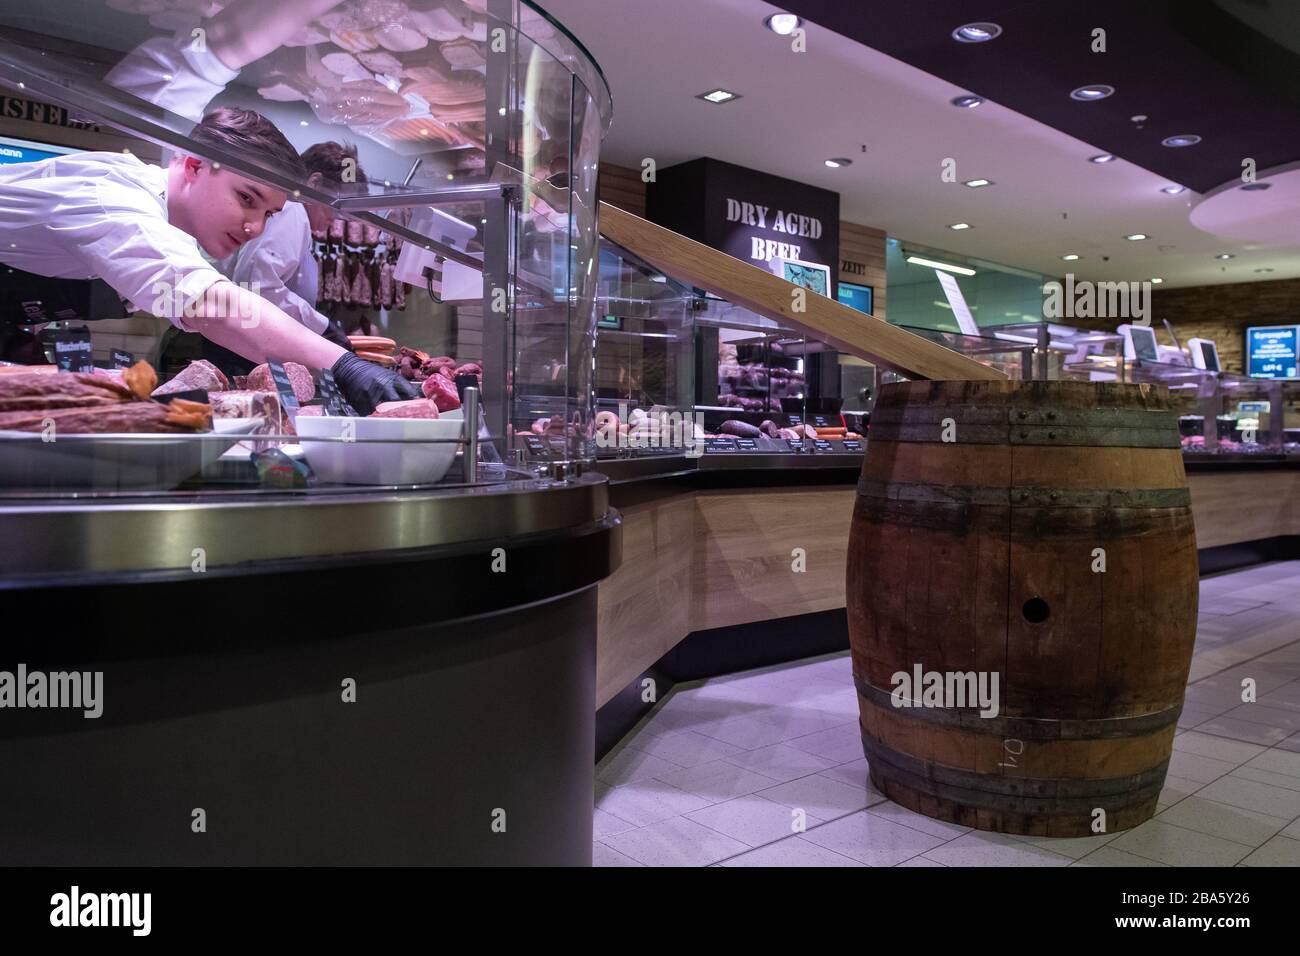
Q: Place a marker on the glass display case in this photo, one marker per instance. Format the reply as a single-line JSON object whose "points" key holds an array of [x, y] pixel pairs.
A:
{"points": [[462, 254]]}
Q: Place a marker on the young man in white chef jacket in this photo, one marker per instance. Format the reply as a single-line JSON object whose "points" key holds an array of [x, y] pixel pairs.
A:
{"points": [[139, 226]]}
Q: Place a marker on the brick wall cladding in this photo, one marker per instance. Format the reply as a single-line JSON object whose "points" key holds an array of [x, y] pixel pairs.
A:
{"points": [[1218, 312]]}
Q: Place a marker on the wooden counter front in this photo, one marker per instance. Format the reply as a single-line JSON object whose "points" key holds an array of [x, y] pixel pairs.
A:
{"points": [[700, 559]]}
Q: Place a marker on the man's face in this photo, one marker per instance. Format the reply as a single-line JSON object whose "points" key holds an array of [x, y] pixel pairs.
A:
{"points": [[224, 209]]}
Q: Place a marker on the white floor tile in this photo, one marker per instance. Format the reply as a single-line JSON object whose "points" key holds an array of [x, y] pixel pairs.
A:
{"points": [[647, 801], [1237, 729], [855, 773], [920, 861], [792, 851], [744, 733], [909, 818], [1220, 748], [606, 824], [833, 741], [1219, 819], [1176, 788], [1074, 847], [675, 842], [1286, 781], [1252, 795], [1198, 768], [1109, 856], [983, 848], [602, 855], [822, 796], [1277, 761], [872, 840], [688, 749], [1179, 846], [1279, 851], [781, 762], [629, 765], [1266, 716], [717, 781], [753, 820]]}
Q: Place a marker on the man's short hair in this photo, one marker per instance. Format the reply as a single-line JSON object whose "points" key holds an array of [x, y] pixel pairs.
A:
{"points": [[331, 159], [250, 133]]}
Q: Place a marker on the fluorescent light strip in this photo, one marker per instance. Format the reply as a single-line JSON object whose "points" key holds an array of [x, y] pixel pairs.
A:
{"points": [[946, 267]]}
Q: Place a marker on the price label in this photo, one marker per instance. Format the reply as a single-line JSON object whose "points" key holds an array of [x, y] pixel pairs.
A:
{"points": [[852, 445], [746, 444], [120, 359], [793, 420], [72, 350], [822, 445], [819, 421], [282, 385], [719, 445]]}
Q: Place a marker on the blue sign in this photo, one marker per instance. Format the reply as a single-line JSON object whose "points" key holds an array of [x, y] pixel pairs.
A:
{"points": [[22, 151], [856, 296], [1273, 352]]}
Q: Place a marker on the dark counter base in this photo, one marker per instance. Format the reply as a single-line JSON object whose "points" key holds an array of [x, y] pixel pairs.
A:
{"points": [[1229, 557], [455, 726]]}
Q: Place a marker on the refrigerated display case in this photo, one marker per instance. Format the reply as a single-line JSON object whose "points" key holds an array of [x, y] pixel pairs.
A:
{"points": [[250, 565]]}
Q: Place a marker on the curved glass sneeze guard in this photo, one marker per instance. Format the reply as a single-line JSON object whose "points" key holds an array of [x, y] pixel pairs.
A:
{"points": [[478, 124]]}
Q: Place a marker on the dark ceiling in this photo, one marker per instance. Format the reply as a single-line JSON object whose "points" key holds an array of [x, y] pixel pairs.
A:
{"points": [[1189, 66]]}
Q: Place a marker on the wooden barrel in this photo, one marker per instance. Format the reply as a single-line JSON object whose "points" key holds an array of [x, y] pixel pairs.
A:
{"points": [[1038, 534]]}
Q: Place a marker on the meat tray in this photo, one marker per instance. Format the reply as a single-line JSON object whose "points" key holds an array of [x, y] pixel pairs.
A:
{"points": [[112, 462]]}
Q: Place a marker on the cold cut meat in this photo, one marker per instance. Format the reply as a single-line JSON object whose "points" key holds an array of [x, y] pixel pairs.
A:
{"points": [[199, 374], [442, 391], [304, 389], [413, 408]]}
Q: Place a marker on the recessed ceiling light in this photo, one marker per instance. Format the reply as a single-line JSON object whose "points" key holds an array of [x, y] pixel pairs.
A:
{"points": [[1263, 270], [302, 122], [967, 102], [1093, 91], [718, 96], [1183, 139], [1256, 187], [1157, 281], [1225, 255], [1173, 190], [977, 32], [977, 183], [1136, 236], [782, 24], [1071, 257], [946, 266], [836, 162], [960, 225], [1101, 158]]}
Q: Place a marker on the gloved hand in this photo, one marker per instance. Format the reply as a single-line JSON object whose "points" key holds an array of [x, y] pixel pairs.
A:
{"points": [[334, 333], [365, 384]]}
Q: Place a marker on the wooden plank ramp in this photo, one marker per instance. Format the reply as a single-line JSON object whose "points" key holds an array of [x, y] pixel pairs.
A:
{"points": [[771, 296]]}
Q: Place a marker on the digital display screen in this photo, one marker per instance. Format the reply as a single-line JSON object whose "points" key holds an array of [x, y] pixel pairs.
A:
{"points": [[25, 151], [812, 277], [855, 296], [1144, 343], [1273, 351], [1211, 355]]}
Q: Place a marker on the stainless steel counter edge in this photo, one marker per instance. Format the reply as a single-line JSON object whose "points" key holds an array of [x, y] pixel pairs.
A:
{"points": [[623, 470], [162, 535]]}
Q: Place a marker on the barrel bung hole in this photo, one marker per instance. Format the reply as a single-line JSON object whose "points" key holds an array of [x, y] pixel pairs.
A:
{"points": [[1036, 611]]}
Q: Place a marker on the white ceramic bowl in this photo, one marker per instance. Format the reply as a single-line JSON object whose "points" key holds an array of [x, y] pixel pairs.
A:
{"points": [[415, 459]]}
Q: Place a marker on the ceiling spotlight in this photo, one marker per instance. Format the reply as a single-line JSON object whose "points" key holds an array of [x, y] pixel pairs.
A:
{"points": [[782, 24], [1173, 190], [960, 225], [1183, 139], [1093, 91], [977, 183], [1256, 187], [1101, 158], [302, 122], [967, 102], [977, 32], [1157, 281], [1225, 255], [718, 96], [1071, 257], [1263, 270], [837, 161], [1136, 236]]}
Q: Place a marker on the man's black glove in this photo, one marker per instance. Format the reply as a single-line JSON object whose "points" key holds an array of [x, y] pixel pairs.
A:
{"points": [[365, 384], [334, 333]]}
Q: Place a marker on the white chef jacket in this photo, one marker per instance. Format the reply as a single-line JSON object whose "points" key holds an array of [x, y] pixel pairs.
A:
{"points": [[102, 215], [174, 73], [281, 263]]}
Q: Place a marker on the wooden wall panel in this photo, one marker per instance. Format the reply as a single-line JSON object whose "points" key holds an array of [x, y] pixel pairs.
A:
{"points": [[862, 260], [621, 186], [707, 559]]}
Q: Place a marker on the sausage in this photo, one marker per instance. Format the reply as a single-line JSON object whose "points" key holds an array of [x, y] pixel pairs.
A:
{"points": [[741, 429]]}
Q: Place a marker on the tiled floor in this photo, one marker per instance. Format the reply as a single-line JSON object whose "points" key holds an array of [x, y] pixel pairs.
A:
{"points": [[766, 769]]}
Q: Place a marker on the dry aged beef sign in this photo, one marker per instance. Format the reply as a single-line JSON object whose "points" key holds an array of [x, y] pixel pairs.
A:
{"points": [[749, 214]]}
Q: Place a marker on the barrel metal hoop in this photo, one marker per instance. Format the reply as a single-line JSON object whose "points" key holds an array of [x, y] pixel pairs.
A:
{"points": [[1048, 435], [1032, 795], [1029, 497], [1023, 728], [1088, 418]]}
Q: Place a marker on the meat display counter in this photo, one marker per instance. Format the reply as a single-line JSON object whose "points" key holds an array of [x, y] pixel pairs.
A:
{"points": [[319, 637]]}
